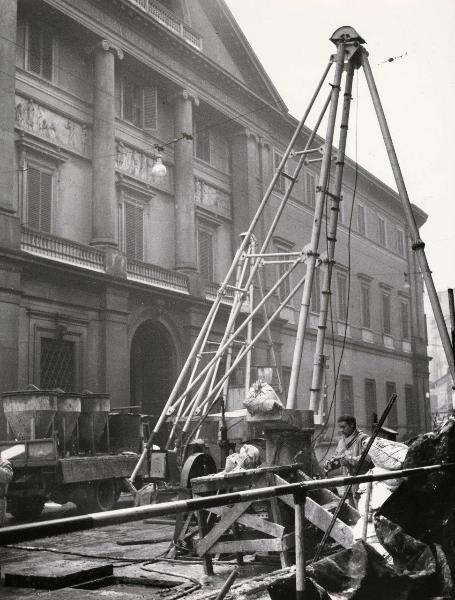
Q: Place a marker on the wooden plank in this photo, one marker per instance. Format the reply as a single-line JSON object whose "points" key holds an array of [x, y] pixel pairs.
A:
{"points": [[321, 518], [89, 468], [250, 546], [255, 523], [202, 526], [243, 480], [228, 518], [285, 559], [325, 496]]}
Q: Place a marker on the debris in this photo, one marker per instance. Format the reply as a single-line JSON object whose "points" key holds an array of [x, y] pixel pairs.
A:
{"points": [[261, 399]]}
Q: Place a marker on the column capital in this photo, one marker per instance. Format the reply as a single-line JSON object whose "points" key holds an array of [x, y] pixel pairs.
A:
{"points": [[263, 143], [107, 46], [184, 94], [245, 133]]}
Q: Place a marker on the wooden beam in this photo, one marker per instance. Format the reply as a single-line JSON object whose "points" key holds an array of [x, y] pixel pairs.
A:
{"points": [[228, 517], [249, 546]]}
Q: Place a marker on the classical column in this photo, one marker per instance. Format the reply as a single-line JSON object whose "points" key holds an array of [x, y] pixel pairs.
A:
{"points": [[104, 149], [245, 181], [185, 234], [9, 225]]}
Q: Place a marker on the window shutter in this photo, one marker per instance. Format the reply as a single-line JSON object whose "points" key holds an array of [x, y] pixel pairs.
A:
{"points": [[134, 231], [310, 190], [361, 219], [34, 50], [46, 202], [33, 197], [150, 108], [47, 51], [20, 44], [205, 254], [386, 313], [315, 305], [392, 419], [404, 321], [370, 399], [118, 96], [347, 395], [341, 285], [365, 301]]}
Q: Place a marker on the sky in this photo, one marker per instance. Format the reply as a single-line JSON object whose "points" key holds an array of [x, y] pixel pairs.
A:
{"points": [[291, 39]]}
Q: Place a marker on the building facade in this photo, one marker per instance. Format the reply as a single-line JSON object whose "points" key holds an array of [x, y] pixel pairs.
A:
{"points": [[442, 395], [107, 272]]}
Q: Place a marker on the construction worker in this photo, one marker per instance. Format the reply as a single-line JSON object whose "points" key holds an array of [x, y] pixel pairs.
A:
{"points": [[6, 474], [348, 451]]}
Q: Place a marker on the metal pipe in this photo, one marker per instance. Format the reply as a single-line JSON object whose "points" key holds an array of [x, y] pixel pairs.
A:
{"points": [[418, 245], [359, 466], [318, 362], [227, 585], [452, 319], [367, 511], [32, 531], [299, 533], [315, 234]]}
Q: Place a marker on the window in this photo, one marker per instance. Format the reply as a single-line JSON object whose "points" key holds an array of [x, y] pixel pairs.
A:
{"points": [[365, 305], [285, 287], [133, 231], [39, 199], [347, 395], [361, 226], [386, 327], [371, 403], [57, 364], [381, 232], [138, 104], [391, 389], [400, 242], [201, 136], [341, 296], [404, 311], [39, 51], [280, 185], [310, 190], [315, 302], [412, 410], [205, 253]]}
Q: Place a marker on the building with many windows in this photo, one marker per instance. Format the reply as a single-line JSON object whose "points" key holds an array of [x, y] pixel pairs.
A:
{"points": [[107, 271]]}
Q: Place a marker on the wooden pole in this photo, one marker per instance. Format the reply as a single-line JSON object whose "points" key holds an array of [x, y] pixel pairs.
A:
{"points": [[299, 500]]}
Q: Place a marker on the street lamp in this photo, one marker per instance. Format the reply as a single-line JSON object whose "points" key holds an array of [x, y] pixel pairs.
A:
{"points": [[159, 169]]}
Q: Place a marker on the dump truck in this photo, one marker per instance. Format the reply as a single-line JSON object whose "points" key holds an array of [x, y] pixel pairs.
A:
{"points": [[76, 449]]}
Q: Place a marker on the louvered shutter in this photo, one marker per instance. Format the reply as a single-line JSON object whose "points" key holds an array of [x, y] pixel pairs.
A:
{"points": [[118, 96], [34, 50], [134, 231], [205, 254], [33, 197], [46, 202], [150, 111]]}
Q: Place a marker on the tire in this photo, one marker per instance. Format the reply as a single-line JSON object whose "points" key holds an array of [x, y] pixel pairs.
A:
{"points": [[26, 509], [100, 495]]}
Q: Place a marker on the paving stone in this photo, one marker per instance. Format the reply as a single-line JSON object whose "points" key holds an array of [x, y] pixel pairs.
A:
{"points": [[56, 574]]}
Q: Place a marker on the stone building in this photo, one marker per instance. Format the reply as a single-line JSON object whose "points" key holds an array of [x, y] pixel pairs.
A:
{"points": [[106, 271]]}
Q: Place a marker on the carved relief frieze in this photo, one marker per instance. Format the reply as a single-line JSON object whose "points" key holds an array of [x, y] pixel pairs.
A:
{"points": [[55, 128], [210, 197], [139, 165]]}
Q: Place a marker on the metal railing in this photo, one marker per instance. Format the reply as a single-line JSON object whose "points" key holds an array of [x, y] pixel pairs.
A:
{"points": [[156, 276], [62, 250], [170, 21]]}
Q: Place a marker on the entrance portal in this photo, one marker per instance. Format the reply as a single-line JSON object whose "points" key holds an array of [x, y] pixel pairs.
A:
{"points": [[153, 367]]}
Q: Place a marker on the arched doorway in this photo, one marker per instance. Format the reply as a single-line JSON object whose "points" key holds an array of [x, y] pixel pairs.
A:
{"points": [[152, 367]]}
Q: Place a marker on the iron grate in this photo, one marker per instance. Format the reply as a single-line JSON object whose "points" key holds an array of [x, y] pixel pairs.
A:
{"points": [[57, 364]]}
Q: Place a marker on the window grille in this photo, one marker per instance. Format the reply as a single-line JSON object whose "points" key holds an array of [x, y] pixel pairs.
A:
{"points": [[134, 231], [57, 364], [40, 51], [205, 254], [39, 199]]}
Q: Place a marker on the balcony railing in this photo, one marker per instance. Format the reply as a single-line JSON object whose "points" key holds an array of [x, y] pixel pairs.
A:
{"points": [[170, 21], [61, 250], [156, 276]]}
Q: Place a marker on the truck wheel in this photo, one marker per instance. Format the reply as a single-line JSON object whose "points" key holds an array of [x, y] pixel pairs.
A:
{"points": [[26, 509], [101, 495]]}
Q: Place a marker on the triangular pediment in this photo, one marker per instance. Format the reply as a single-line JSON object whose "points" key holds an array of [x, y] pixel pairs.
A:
{"points": [[225, 44]]}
